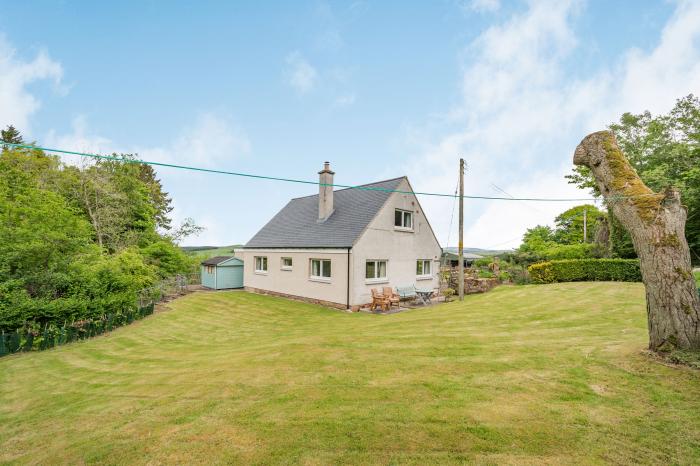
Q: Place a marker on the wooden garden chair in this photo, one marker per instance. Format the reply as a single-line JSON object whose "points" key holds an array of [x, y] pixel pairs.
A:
{"points": [[392, 297], [379, 300]]}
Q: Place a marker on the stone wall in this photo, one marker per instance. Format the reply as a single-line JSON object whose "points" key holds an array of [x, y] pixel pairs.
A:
{"points": [[479, 285]]}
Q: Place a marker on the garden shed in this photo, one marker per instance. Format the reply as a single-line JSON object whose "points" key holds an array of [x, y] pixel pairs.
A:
{"points": [[222, 272]]}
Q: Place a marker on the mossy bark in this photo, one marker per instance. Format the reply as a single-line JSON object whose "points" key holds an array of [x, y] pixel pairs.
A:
{"points": [[656, 222]]}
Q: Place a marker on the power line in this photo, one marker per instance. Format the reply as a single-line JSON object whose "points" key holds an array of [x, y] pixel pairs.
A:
{"points": [[498, 188], [454, 202], [504, 242], [292, 180]]}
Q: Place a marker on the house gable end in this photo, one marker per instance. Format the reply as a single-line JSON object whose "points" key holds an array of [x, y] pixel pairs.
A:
{"points": [[404, 189]]}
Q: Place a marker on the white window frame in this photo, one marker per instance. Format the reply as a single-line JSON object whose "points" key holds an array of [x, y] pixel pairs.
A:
{"points": [[376, 278], [262, 270], [423, 275], [283, 266], [404, 214], [322, 267]]}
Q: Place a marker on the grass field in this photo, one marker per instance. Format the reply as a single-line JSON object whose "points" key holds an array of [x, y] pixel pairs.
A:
{"points": [[527, 375]]}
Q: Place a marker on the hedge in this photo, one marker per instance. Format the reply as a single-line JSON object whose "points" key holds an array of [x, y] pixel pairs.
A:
{"points": [[27, 339], [579, 270]]}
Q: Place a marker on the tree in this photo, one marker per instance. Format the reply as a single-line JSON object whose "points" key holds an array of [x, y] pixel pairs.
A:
{"points": [[665, 151], [104, 205], [537, 238], [161, 203], [569, 224], [11, 135], [656, 223], [124, 201], [79, 242], [187, 228], [41, 236], [620, 240], [602, 236]]}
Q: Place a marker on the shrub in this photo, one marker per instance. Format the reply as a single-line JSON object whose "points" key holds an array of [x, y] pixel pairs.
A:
{"points": [[483, 262], [448, 293], [577, 270], [169, 259], [568, 251]]}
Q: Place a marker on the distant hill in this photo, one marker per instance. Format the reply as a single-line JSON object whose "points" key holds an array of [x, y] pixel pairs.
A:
{"points": [[197, 248], [205, 252], [479, 251]]}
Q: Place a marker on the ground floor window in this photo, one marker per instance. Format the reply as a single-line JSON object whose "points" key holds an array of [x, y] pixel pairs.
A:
{"points": [[375, 269], [260, 263], [423, 267], [320, 268], [287, 263]]}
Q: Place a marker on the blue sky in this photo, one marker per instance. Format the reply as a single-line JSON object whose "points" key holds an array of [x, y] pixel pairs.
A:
{"points": [[380, 89]]}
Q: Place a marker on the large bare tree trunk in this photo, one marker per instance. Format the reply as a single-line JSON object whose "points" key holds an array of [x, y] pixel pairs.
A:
{"points": [[656, 222]]}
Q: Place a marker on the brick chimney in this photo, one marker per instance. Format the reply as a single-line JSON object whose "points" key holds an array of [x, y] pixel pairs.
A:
{"points": [[325, 192]]}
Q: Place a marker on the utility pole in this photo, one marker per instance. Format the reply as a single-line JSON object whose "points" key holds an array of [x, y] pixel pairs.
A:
{"points": [[585, 226], [460, 249]]}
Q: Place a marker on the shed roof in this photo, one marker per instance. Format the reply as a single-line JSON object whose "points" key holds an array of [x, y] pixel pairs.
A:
{"points": [[216, 260], [297, 225]]}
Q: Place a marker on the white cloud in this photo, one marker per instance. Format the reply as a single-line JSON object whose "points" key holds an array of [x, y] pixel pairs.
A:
{"points": [[211, 141], [17, 104], [300, 74], [523, 113]]}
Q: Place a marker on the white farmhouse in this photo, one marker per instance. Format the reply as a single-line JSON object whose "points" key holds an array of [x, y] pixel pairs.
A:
{"points": [[334, 247]]}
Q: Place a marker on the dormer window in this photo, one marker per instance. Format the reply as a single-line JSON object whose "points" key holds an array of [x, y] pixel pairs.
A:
{"points": [[403, 219]]}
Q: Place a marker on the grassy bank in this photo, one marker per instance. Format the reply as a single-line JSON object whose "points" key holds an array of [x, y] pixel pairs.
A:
{"points": [[532, 374]]}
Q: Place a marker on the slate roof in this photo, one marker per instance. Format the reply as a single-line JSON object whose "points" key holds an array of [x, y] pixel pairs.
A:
{"points": [[216, 260], [296, 225]]}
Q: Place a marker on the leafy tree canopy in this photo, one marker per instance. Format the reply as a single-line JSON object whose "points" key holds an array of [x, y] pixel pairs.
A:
{"points": [[78, 242], [11, 135], [570, 224]]}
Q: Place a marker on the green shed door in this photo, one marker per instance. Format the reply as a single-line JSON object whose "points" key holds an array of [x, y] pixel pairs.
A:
{"points": [[209, 276], [229, 276]]}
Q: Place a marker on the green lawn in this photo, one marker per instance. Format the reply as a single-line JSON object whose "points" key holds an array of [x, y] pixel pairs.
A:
{"points": [[532, 374]]}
